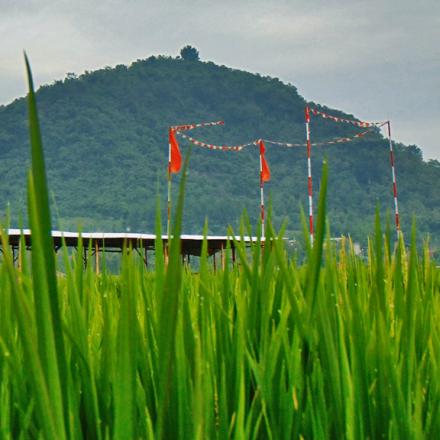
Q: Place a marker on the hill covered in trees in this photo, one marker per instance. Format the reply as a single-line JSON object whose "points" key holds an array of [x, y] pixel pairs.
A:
{"points": [[105, 138]]}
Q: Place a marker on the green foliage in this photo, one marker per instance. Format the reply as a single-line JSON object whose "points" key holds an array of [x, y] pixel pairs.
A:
{"points": [[105, 134], [189, 53]]}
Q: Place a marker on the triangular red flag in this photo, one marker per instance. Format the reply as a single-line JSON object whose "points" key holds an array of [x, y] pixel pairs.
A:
{"points": [[265, 171], [175, 159]]}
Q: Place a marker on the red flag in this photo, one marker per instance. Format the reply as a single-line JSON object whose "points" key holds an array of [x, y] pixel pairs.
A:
{"points": [[265, 171], [175, 159]]}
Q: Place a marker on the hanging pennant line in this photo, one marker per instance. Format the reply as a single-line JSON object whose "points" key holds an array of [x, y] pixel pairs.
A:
{"points": [[363, 124], [319, 144], [187, 127], [214, 147], [281, 144]]}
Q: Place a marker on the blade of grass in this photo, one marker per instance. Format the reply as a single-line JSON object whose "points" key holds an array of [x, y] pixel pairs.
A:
{"points": [[169, 304], [48, 317]]}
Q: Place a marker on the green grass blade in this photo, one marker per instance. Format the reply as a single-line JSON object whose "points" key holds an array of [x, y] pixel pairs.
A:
{"points": [[314, 265], [51, 341], [169, 304]]}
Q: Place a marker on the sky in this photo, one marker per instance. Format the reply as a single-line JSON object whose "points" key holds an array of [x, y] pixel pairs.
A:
{"points": [[375, 59]]}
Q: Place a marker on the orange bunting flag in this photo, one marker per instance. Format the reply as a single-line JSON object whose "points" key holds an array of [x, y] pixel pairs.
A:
{"points": [[175, 159], [265, 171]]}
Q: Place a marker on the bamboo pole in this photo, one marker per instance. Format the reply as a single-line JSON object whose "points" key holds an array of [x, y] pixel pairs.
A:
{"points": [[261, 196], [393, 175], [96, 258], [169, 191], [309, 173]]}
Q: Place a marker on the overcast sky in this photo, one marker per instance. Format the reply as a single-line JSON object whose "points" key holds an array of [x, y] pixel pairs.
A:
{"points": [[376, 59]]}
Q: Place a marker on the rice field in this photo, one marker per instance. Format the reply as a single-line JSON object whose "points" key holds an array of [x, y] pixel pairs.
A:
{"points": [[337, 346]]}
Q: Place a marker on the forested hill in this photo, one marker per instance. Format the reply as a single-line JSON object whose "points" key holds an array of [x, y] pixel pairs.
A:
{"points": [[105, 138]]}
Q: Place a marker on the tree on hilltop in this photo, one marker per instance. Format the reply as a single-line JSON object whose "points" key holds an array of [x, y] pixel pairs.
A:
{"points": [[189, 53]]}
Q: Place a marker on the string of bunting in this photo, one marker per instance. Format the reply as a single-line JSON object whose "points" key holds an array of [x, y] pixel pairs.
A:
{"points": [[320, 144], [346, 121], [281, 144], [214, 147], [370, 125], [187, 127]]}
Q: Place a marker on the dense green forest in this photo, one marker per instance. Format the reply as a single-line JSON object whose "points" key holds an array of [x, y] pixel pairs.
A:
{"points": [[105, 137]]}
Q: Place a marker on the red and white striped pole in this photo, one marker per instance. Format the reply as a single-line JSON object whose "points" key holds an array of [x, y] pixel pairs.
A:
{"points": [[309, 173], [261, 194], [169, 190], [393, 174]]}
